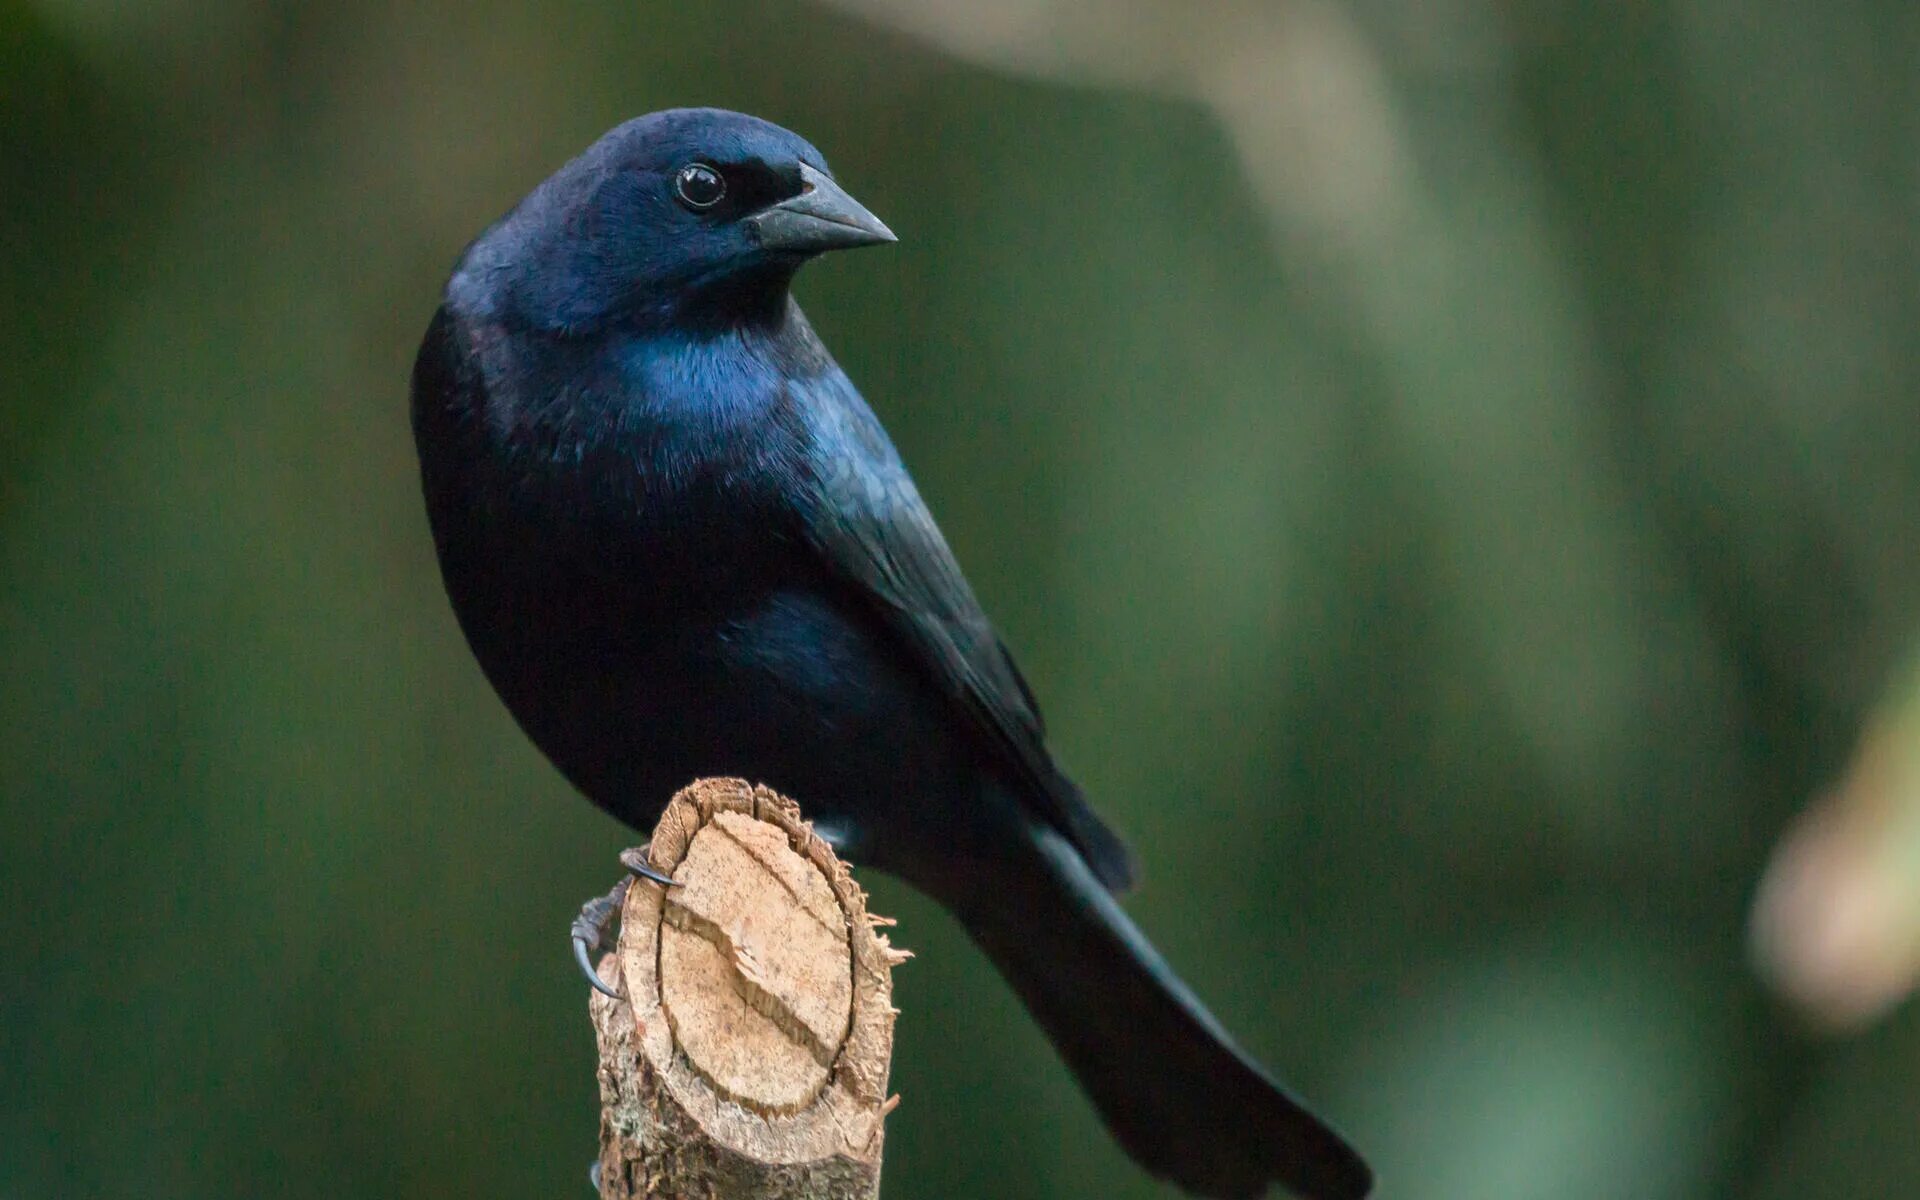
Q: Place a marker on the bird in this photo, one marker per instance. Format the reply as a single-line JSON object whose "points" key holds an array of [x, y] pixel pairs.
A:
{"points": [[680, 544]]}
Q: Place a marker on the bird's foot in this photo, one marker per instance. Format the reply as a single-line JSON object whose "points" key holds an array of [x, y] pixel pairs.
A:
{"points": [[590, 931], [591, 927]]}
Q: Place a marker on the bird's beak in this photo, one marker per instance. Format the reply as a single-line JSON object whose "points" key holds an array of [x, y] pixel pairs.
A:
{"points": [[822, 217]]}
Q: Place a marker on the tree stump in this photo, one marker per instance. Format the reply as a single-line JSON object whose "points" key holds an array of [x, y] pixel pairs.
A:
{"points": [[748, 1058]]}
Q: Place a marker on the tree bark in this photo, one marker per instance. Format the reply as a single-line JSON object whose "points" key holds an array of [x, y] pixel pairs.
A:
{"points": [[748, 1057]]}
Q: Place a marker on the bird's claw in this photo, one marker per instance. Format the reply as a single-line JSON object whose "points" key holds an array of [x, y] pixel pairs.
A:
{"points": [[635, 860], [582, 954], [596, 916], [590, 933]]}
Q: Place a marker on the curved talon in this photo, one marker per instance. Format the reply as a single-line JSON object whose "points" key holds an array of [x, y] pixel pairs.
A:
{"points": [[596, 917], [581, 951], [645, 870]]}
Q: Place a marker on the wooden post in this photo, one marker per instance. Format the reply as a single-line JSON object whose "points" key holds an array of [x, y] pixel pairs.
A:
{"points": [[748, 1058]]}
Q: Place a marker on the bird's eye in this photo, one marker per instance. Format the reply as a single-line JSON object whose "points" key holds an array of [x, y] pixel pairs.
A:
{"points": [[700, 186]]}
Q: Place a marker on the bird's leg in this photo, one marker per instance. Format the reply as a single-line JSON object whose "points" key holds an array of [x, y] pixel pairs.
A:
{"points": [[591, 927]]}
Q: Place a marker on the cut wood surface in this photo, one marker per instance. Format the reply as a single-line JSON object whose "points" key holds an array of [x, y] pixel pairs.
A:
{"points": [[748, 1057]]}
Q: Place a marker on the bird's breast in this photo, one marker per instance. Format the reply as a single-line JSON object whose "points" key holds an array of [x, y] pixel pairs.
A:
{"points": [[607, 515]]}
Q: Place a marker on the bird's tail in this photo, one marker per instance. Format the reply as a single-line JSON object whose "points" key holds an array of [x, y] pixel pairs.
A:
{"points": [[1177, 1094]]}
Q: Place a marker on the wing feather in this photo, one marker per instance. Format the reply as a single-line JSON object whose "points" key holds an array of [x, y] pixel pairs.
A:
{"points": [[867, 521]]}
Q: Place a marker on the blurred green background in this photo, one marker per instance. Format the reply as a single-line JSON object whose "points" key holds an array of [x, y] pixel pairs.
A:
{"points": [[1450, 469]]}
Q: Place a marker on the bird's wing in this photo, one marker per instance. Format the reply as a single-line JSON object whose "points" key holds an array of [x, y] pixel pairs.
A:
{"points": [[868, 522]]}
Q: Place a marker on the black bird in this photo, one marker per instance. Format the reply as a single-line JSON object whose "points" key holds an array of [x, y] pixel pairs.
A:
{"points": [[680, 544]]}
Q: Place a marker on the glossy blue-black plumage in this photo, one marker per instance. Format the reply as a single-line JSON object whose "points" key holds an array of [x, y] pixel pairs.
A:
{"points": [[680, 544]]}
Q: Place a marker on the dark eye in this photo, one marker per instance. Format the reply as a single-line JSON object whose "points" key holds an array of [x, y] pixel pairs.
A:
{"points": [[700, 186]]}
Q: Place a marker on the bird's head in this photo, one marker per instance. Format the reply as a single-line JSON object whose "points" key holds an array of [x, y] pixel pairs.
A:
{"points": [[690, 216]]}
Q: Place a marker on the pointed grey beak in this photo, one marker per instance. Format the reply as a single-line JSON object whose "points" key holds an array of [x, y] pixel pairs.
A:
{"points": [[822, 217]]}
